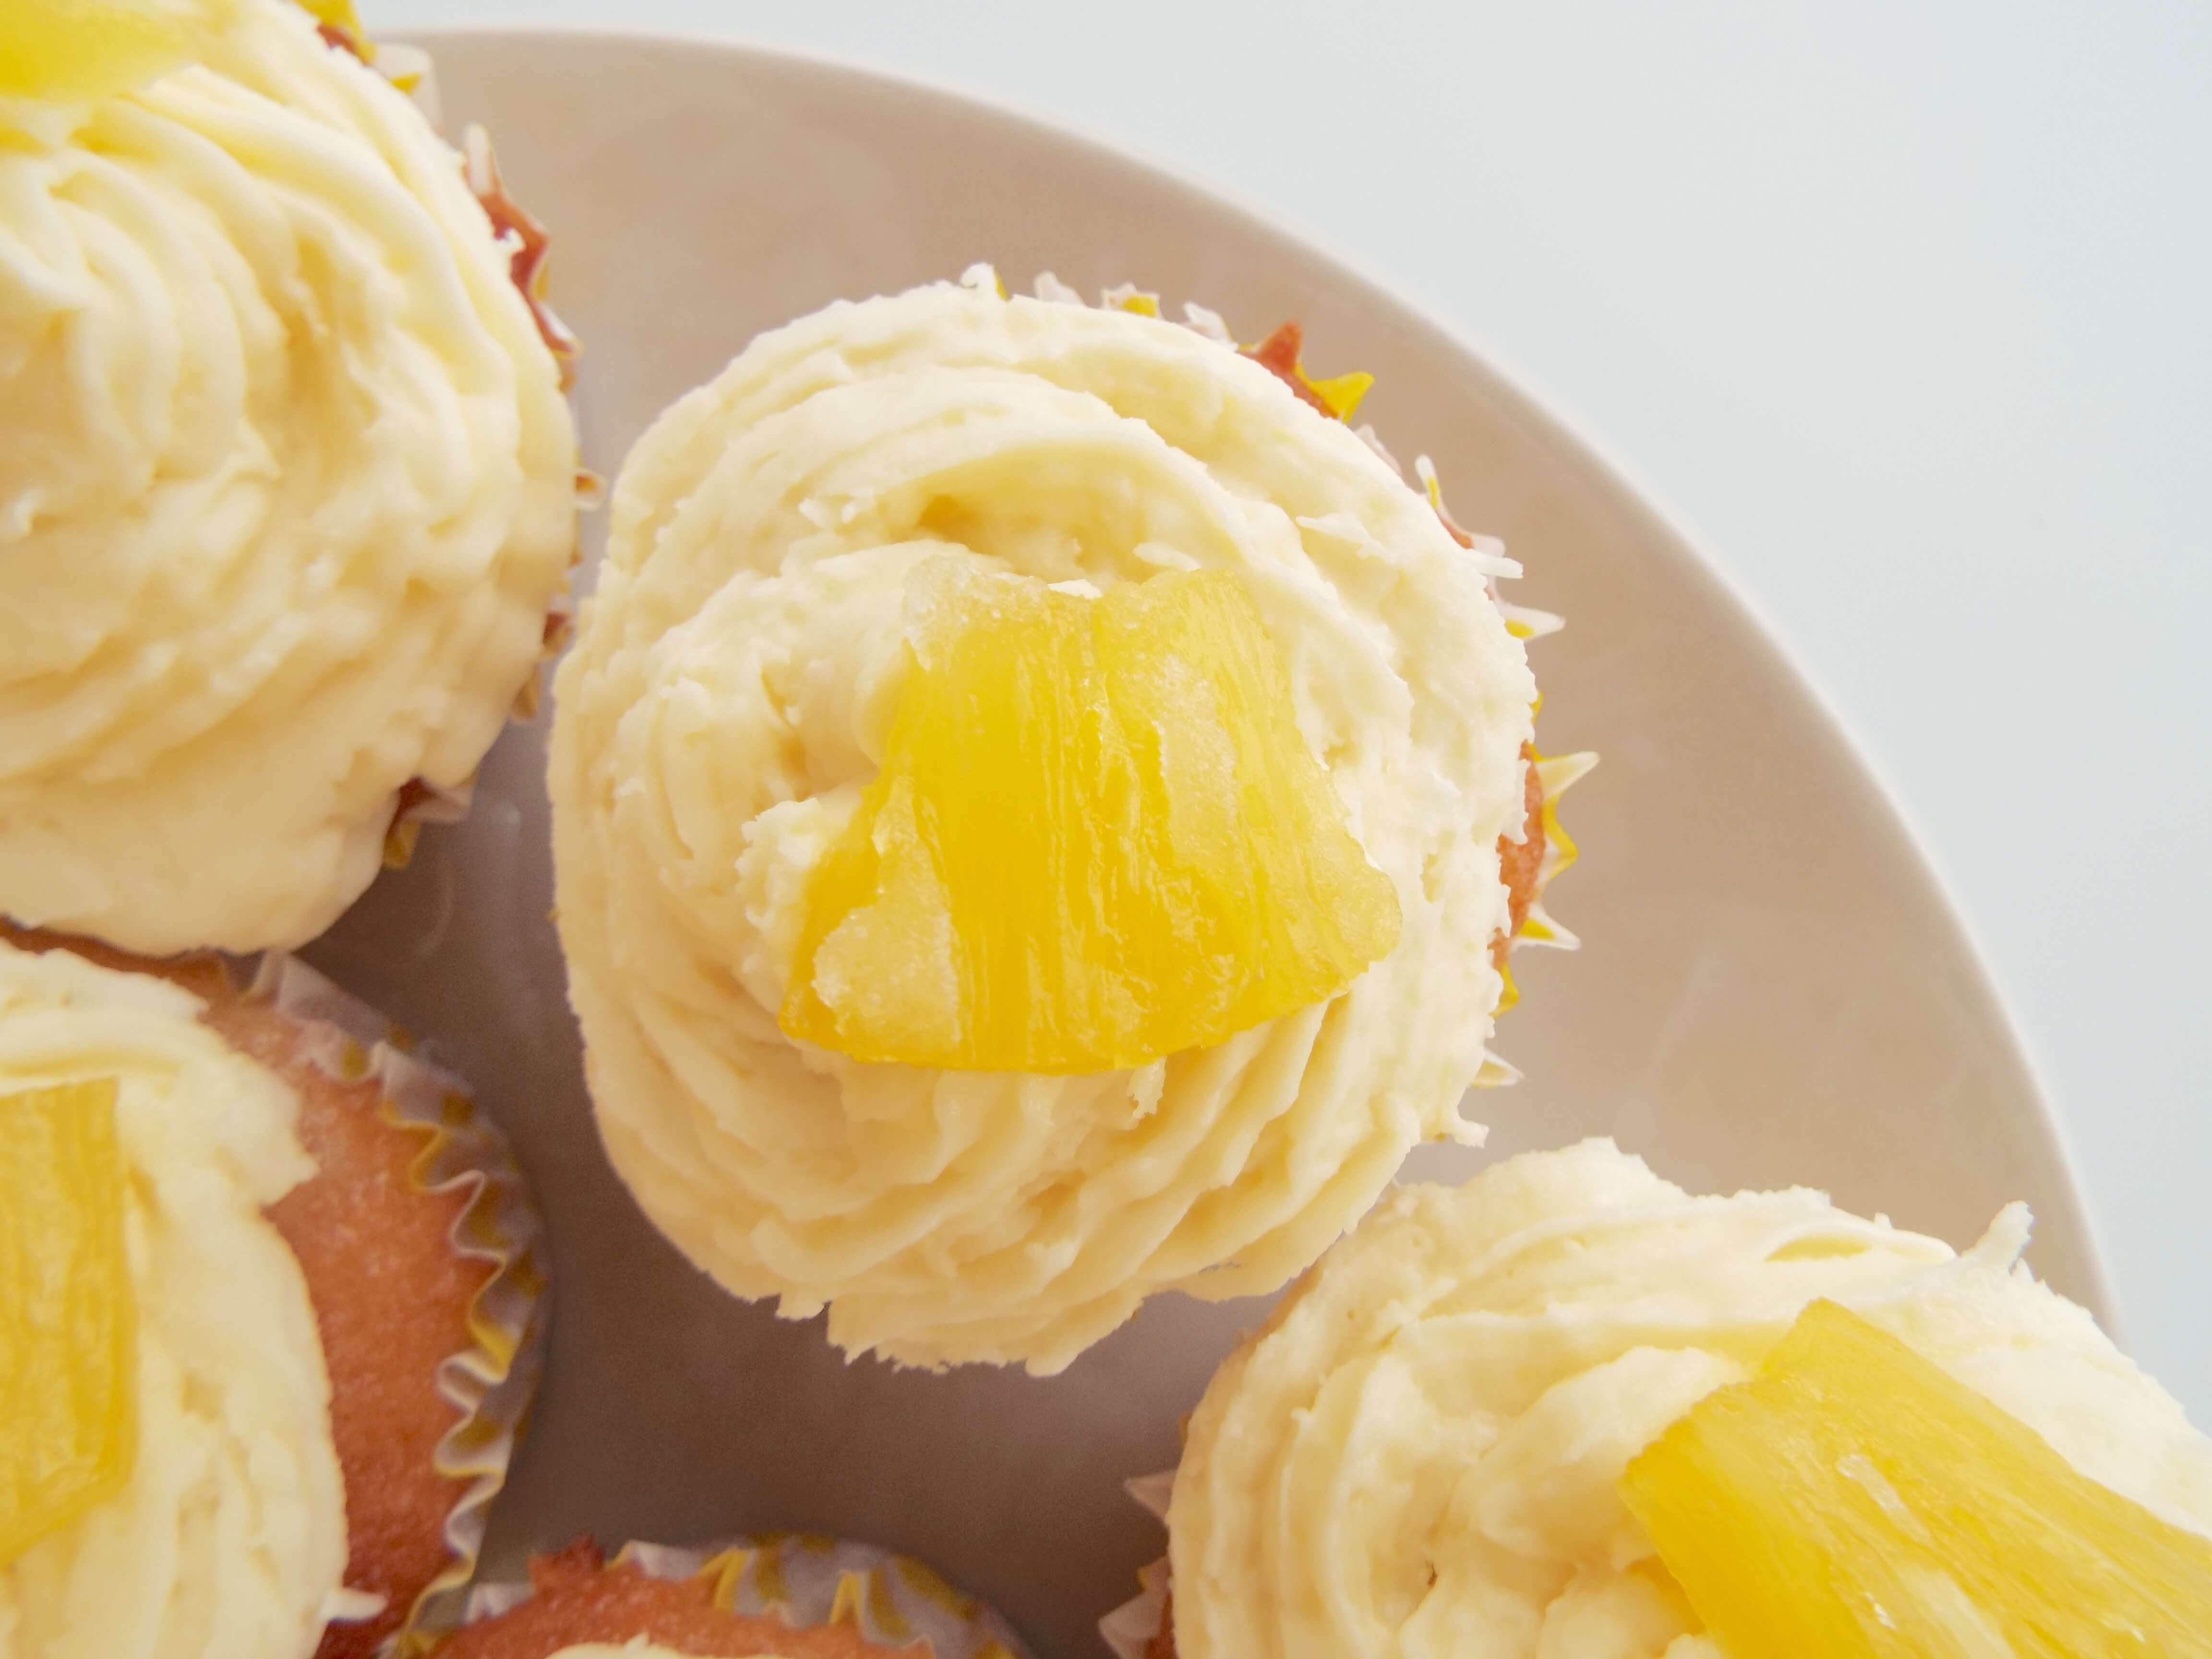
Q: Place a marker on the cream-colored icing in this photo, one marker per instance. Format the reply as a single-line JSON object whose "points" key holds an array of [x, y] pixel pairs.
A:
{"points": [[727, 698], [287, 483], [1418, 1456], [231, 1533]]}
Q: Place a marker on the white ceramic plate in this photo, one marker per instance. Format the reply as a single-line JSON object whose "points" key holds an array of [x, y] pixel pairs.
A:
{"points": [[1774, 990]]}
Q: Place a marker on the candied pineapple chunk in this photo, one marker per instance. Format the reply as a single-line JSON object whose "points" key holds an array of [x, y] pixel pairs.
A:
{"points": [[1096, 838], [70, 49], [1854, 1499], [68, 1323]]}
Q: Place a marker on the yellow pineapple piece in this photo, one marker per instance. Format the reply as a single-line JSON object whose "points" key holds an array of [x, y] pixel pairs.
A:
{"points": [[1854, 1499], [85, 49], [68, 1323], [1097, 838]]}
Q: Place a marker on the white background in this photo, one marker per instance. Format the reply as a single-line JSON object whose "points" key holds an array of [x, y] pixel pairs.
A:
{"points": [[1905, 307]]}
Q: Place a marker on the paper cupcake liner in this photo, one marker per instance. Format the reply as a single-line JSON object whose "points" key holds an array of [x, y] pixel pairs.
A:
{"points": [[804, 1580], [1132, 1630], [492, 1382], [1555, 773]]}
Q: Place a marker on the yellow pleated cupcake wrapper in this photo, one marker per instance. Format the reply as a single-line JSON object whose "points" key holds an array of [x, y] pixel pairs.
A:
{"points": [[1130, 1628], [1554, 774], [805, 1580], [491, 1383]]}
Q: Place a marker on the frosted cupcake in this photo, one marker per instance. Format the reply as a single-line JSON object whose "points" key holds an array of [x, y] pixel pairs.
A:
{"points": [[1569, 1409], [785, 1596], [1029, 795], [287, 475], [271, 1297]]}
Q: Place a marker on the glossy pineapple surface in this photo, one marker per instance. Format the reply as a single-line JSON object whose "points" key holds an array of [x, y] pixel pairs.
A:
{"points": [[72, 49], [1854, 1500], [1097, 837], [68, 1323]]}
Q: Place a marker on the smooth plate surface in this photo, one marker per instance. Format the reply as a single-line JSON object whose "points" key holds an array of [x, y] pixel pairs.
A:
{"points": [[1772, 990]]}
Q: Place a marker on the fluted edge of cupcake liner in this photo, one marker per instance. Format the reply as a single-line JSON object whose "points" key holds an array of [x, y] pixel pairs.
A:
{"points": [[492, 1382], [805, 1580]]}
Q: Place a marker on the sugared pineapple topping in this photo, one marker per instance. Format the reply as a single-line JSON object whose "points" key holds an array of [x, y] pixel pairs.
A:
{"points": [[73, 49], [1096, 838], [1854, 1500], [68, 1323]]}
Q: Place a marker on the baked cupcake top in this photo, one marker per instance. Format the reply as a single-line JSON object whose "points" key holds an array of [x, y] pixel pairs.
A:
{"points": [[287, 479], [1424, 1449], [228, 1533], [777, 538]]}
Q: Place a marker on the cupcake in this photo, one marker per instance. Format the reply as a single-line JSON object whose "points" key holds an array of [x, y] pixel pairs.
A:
{"points": [[286, 473], [1567, 1408], [1038, 800], [789, 1595], [326, 1283]]}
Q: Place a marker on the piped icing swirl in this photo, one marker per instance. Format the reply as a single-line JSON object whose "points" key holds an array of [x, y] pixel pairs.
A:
{"points": [[230, 1539], [287, 483], [1420, 1454], [727, 699]]}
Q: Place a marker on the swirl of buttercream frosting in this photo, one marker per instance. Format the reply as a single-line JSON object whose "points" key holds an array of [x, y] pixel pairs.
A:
{"points": [[1420, 1454], [727, 698], [287, 485]]}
